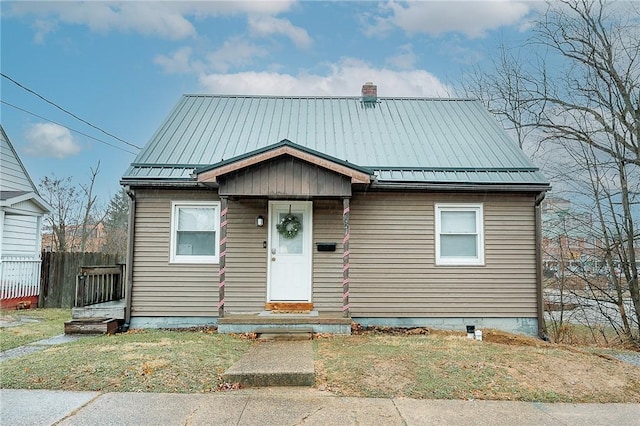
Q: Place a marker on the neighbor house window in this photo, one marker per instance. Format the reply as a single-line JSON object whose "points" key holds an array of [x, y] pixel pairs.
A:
{"points": [[195, 233], [459, 234]]}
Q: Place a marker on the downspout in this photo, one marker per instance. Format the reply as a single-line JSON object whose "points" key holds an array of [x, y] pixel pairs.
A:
{"points": [[542, 327], [127, 297]]}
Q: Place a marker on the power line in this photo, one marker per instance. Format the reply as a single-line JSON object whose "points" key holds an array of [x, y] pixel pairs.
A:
{"points": [[66, 111], [67, 127]]}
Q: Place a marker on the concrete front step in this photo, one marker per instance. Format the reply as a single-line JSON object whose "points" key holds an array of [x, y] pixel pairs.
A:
{"points": [[284, 334], [274, 363], [91, 326]]}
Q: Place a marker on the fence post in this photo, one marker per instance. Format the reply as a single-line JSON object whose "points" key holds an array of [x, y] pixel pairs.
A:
{"points": [[80, 286]]}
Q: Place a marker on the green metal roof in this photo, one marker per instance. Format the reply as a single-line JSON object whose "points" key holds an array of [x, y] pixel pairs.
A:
{"points": [[440, 141]]}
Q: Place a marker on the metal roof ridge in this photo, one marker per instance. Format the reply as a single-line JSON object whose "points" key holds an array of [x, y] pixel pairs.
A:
{"points": [[332, 97], [455, 169]]}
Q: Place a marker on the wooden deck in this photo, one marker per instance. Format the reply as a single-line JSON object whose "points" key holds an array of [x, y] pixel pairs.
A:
{"points": [[114, 310]]}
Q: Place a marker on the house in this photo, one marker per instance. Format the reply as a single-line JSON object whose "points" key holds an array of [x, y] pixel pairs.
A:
{"points": [[21, 213], [319, 211]]}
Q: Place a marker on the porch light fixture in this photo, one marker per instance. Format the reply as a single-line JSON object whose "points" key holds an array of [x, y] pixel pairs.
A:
{"points": [[260, 221]]}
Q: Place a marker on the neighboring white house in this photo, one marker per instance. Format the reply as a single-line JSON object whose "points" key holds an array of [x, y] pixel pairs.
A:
{"points": [[21, 213]]}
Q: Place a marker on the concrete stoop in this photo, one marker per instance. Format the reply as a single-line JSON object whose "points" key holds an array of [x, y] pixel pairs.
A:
{"points": [[285, 334], [274, 363]]}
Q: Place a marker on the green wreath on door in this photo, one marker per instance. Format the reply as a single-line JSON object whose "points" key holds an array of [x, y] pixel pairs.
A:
{"points": [[289, 226]]}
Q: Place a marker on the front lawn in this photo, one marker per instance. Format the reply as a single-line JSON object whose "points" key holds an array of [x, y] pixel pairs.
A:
{"points": [[138, 361]]}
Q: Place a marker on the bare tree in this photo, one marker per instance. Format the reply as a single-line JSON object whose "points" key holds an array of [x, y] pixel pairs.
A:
{"points": [[89, 223], [75, 214], [62, 196], [580, 93]]}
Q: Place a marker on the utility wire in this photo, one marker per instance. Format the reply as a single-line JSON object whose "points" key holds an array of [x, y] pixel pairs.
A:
{"points": [[66, 111], [73, 130]]}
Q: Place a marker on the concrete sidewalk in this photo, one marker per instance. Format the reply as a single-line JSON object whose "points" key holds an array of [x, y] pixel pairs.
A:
{"points": [[290, 406]]}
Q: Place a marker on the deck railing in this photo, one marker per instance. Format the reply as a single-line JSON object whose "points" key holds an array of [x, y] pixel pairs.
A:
{"points": [[99, 284], [19, 277]]}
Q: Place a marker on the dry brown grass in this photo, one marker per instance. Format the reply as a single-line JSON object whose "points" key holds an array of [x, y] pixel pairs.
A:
{"points": [[447, 365]]}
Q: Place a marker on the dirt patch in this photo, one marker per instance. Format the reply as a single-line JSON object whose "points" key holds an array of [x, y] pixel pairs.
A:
{"points": [[489, 335], [395, 379], [358, 329]]}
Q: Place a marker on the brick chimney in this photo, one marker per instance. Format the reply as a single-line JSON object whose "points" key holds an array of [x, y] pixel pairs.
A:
{"points": [[369, 92]]}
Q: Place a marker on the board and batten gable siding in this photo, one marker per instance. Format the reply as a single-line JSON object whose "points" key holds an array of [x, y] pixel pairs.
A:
{"points": [[161, 288], [285, 175], [392, 253]]}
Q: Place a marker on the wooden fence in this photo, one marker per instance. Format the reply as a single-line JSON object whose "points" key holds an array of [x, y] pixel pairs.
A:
{"points": [[58, 275]]}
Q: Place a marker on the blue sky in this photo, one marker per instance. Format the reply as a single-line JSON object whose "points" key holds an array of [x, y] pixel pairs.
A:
{"points": [[122, 66]]}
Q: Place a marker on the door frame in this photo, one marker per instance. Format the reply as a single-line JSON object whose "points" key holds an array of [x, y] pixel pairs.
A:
{"points": [[308, 209]]}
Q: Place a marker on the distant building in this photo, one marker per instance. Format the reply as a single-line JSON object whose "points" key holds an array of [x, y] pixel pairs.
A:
{"points": [[569, 242], [94, 243]]}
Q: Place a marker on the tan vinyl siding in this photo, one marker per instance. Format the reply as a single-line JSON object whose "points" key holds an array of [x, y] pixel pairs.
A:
{"points": [[159, 287], [393, 271], [327, 266], [246, 269]]}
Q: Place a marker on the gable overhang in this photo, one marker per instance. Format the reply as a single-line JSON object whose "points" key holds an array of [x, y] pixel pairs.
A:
{"points": [[9, 201], [210, 175]]}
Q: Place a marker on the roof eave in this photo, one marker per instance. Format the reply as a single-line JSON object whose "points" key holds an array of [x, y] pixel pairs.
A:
{"points": [[463, 186], [29, 196]]}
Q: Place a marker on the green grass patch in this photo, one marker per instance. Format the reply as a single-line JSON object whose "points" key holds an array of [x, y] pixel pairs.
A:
{"points": [[138, 361], [31, 325]]}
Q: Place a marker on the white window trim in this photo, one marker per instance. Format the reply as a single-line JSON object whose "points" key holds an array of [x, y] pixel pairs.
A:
{"points": [[176, 258], [461, 261]]}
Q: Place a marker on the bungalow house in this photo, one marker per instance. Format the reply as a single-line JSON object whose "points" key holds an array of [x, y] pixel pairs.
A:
{"points": [[318, 211], [21, 213]]}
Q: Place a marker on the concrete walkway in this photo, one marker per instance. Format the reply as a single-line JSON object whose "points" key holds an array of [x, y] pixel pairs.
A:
{"points": [[38, 346], [274, 363], [290, 406]]}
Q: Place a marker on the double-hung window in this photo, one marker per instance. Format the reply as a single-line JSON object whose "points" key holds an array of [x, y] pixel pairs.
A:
{"points": [[459, 234], [195, 232]]}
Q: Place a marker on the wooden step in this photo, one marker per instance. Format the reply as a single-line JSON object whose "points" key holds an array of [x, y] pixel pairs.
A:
{"points": [[91, 326]]}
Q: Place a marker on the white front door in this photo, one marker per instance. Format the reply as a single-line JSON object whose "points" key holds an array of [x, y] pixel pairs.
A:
{"points": [[289, 252]]}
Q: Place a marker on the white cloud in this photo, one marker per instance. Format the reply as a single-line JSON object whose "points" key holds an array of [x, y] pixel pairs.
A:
{"points": [[178, 62], [50, 140], [164, 19], [344, 79], [472, 18], [268, 25], [235, 52], [405, 59]]}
